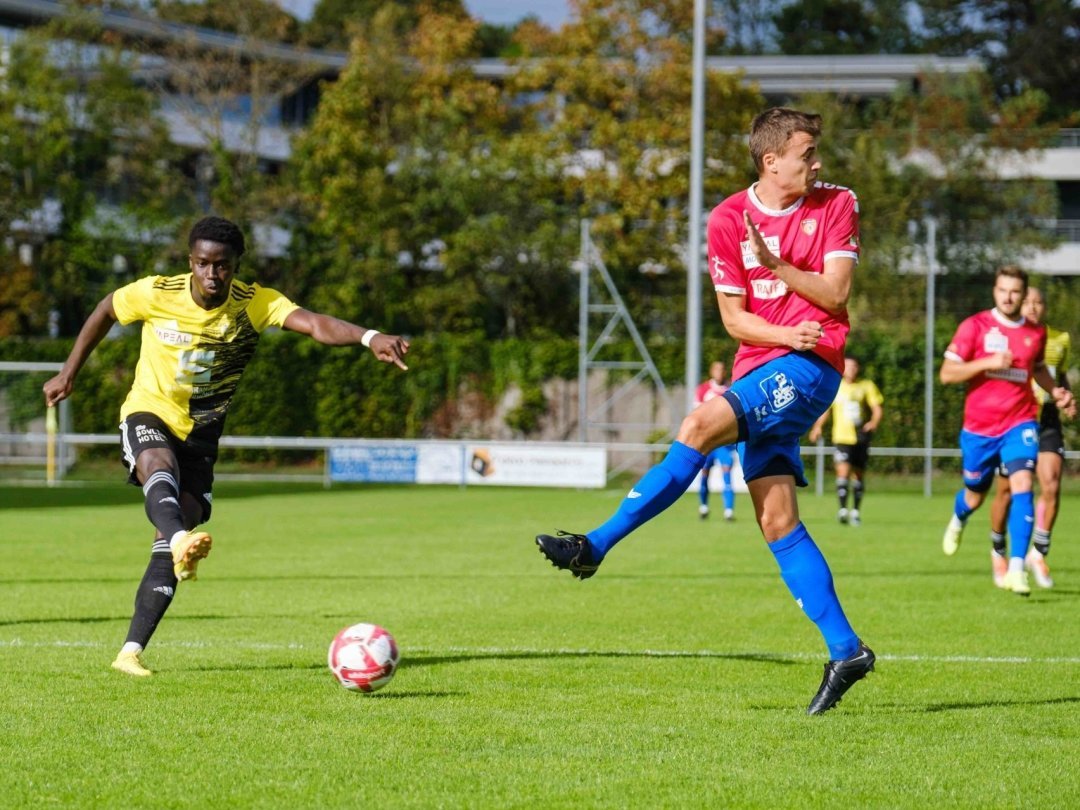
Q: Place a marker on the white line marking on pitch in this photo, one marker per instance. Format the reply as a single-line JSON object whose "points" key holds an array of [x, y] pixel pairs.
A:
{"points": [[539, 651]]}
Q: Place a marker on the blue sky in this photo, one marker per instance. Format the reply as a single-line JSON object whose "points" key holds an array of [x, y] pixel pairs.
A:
{"points": [[500, 12]]}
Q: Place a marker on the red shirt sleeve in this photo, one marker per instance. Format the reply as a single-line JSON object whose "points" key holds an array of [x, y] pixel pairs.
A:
{"points": [[842, 238], [725, 253], [962, 345]]}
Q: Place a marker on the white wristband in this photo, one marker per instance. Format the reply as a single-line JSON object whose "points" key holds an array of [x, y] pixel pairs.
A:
{"points": [[369, 336]]}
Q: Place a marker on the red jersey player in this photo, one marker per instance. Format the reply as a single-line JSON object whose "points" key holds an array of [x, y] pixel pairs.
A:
{"points": [[782, 255], [997, 353]]}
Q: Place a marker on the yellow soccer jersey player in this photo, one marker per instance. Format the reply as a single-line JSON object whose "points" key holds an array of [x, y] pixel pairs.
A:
{"points": [[852, 409], [191, 358], [199, 333]]}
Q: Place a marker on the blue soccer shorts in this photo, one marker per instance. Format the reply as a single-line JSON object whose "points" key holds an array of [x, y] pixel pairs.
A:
{"points": [[1014, 450], [776, 404]]}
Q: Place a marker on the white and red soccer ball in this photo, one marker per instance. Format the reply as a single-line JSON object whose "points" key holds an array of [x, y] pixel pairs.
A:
{"points": [[363, 657]]}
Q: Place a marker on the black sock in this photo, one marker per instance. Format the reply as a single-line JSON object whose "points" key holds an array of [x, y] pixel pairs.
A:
{"points": [[153, 598], [998, 541], [842, 491], [163, 503], [857, 492]]}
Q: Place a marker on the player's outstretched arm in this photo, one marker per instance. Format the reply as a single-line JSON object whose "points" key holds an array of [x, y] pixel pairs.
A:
{"points": [[336, 332], [829, 289], [819, 425], [96, 327]]}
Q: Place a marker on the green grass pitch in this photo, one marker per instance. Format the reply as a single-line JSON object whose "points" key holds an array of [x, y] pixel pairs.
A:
{"points": [[677, 677]]}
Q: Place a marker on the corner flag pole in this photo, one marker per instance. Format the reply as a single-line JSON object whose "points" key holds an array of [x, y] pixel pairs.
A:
{"points": [[50, 445]]}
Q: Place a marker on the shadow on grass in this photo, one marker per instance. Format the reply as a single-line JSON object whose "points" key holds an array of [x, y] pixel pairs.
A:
{"points": [[992, 704], [540, 655], [127, 618]]}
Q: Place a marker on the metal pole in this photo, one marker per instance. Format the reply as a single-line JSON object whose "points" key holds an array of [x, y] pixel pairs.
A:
{"points": [[928, 415], [693, 261], [583, 333]]}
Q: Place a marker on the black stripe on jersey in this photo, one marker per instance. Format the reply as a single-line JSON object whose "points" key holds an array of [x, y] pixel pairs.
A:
{"points": [[241, 291], [170, 283], [210, 401]]}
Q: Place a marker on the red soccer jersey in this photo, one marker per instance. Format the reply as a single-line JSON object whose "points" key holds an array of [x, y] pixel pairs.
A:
{"points": [[999, 400], [708, 390], [822, 225]]}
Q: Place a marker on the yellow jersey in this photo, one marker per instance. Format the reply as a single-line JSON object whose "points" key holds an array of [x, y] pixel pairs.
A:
{"points": [[191, 359], [851, 409], [1056, 358]]}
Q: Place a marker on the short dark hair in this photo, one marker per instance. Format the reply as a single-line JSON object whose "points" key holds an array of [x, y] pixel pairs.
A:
{"points": [[217, 229], [1012, 271], [770, 131]]}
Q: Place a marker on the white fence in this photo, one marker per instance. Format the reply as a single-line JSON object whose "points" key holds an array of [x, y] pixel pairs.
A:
{"points": [[444, 462]]}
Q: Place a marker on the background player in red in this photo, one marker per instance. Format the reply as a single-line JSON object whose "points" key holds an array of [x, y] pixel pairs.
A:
{"points": [[1049, 466], [712, 388], [782, 254], [997, 353]]}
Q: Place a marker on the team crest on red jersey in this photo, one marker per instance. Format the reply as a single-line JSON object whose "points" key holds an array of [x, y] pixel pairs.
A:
{"points": [[808, 226]]}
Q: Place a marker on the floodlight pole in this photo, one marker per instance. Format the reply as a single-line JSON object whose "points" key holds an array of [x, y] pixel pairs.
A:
{"points": [[928, 414], [693, 257]]}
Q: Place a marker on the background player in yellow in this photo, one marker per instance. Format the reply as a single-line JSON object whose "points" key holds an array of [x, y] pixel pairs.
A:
{"points": [[1051, 460], [856, 413], [199, 331]]}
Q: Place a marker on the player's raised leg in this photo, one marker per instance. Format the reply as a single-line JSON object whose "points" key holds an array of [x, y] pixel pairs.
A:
{"points": [[708, 426]]}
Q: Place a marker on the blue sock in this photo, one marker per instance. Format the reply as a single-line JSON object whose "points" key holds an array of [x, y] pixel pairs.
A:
{"points": [[1021, 523], [809, 579], [729, 493], [960, 507], [703, 492], [658, 489]]}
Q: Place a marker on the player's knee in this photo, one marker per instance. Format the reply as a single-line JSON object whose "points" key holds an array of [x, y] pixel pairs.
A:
{"points": [[695, 431], [775, 525], [155, 460]]}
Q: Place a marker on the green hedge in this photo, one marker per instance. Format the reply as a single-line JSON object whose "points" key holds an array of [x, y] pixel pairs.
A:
{"points": [[296, 387]]}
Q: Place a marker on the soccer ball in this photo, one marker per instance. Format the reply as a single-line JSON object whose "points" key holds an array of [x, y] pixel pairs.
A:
{"points": [[363, 657]]}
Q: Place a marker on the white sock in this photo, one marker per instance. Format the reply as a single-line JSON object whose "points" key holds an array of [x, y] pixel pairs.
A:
{"points": [[131, 647], [176, 537], [1016, 564]]}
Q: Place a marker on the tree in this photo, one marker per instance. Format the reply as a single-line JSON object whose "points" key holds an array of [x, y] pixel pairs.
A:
{"points": [[615, 89], [334, 22], [85, 174], [1027, 44], [425, 206], [835, 27]]}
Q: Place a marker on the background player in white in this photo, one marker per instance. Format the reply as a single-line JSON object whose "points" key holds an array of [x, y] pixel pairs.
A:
{"points": [[714, 387], [997, 353], [200, 330], [1050, 464], [856, 413], [782, 254]]}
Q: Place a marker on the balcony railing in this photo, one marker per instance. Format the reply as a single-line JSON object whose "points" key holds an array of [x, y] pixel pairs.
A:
{"points": [[1067, 139]]}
